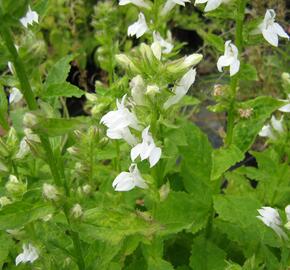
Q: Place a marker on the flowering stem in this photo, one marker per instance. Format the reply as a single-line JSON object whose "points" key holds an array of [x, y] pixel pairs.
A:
{"points": [[29, 96], [235, 79]]}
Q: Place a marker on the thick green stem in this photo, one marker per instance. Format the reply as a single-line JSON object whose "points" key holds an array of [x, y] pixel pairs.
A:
{"points": [[235, 80]]}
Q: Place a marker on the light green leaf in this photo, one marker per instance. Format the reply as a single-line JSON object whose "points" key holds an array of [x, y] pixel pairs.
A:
{"points": [[158, 264], [64, 89], [248, 73], [58, 126], [59, 72], [246, 130], [195, 157], [20, 213], [205, 255], [223, 159], [181, 211]]}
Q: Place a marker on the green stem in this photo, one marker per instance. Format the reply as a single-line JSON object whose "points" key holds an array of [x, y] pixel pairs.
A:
{"points": [[235, 80], [19, 68]]}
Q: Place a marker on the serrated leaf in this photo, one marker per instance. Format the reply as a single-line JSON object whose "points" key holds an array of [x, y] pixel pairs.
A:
{"points": [[59, 71], [248, 73], [64, 89], [20, 213], [195, 156], [223, 159], [246, 130], [180, 211], [3, 109], [113, 225], [205, 255], [58, 126]]}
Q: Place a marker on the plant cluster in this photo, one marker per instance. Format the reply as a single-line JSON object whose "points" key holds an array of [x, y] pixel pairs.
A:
{"points": [[129, 180]]}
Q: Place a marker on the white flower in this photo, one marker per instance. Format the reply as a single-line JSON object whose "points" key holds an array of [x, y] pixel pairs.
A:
{"points": [[270, 29], [138, 90], [271, 218], [29, 254], [24, 146], [50, 192], [211, 4], [138, 28], [119, 121], [170, 4], [126, 181], [230, 58], [277, 124], [286, 108], [147, 149], [166, 46], [15, 95], [10, 67], [269, 130], [181, 89], [29, 18], [138, 3], [77, 211]]}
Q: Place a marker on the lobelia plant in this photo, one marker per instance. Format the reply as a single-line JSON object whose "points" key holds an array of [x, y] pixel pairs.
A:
{"points": [[133, 182]]}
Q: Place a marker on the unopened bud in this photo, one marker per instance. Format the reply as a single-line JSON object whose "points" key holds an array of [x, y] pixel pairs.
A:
{"points": [[138, 90], [156, 49], [87, 189], [218, 90], [73, 150], [91, 97], [15, 187], [152, 90], [146, 52], [4, 201], [77, 211], [125, 62], [184, 63], [164, 191], [245, 113], [285, 77], [49, 192], [30, 120]]}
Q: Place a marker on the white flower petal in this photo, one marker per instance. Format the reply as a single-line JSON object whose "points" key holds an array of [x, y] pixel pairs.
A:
{"points": [[280, 31], [154, 156], [135, 151], [285, 108], [138, 28], [271, 36], [212, 4], [234, 67]]}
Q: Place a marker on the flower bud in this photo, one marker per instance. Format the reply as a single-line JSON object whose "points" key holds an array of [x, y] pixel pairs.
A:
{"points": [[4, 201], [15, 187], [77, 211], [164, 191], [12, 139], [146, 52], [218, 90], [245, 113], [286, 78], [138, 90], [50, 192], [152, 90], [91, 97], [287, 225], [156, 49], [30, 119], [184, 63], [125, 62], [87, 189]]}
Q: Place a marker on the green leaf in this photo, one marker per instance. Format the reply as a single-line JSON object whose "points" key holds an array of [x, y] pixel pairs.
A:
{"points": [[223, 159], [205, 255], [215, 41], [248, 73], [246, 130], [64, 89], [113, 225], [196, 158], [59, 71], [181, 211], [20, 213], [58, 126], [3, 109], [6, 244], [158, 264]]}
